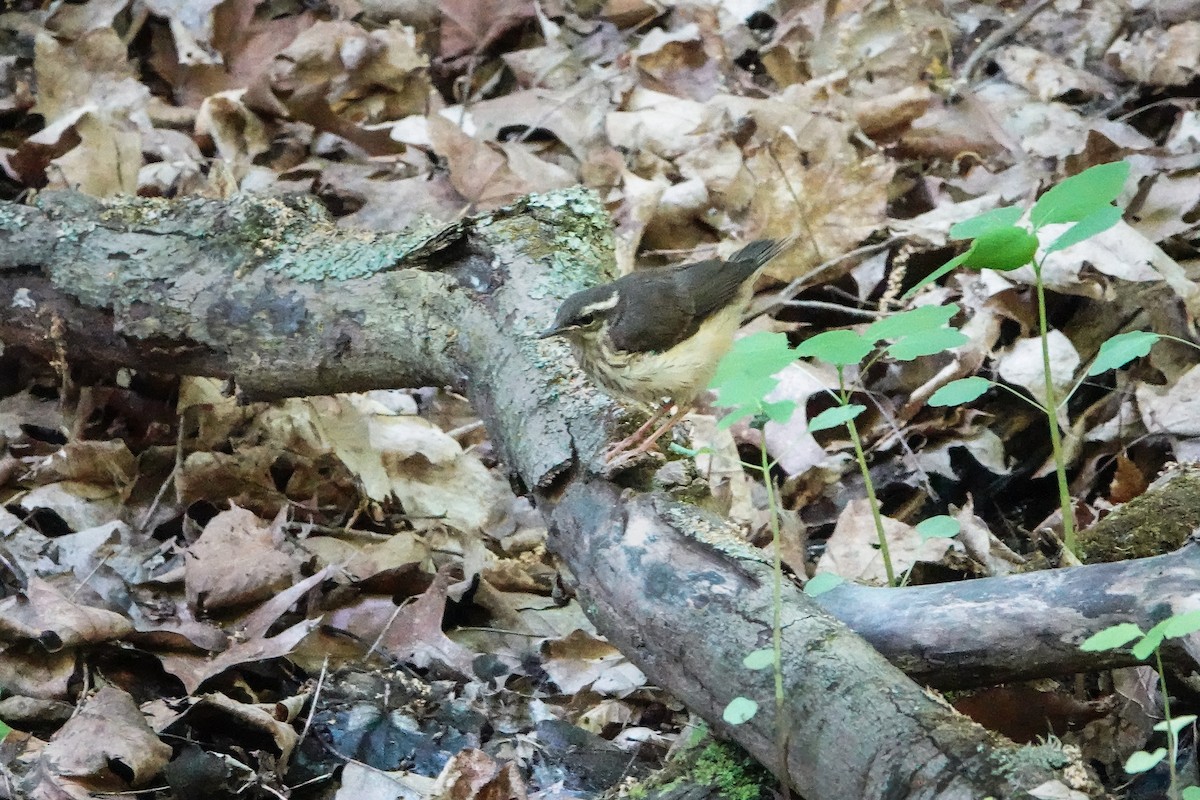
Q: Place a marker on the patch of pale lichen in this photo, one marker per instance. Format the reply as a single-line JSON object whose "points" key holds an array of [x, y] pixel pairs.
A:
{"points": [[1053, 756], [569, 230], [302, 242], [567, 234], [294, 236]]}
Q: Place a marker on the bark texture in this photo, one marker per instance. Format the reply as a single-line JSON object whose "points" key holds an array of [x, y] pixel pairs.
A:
{"points": [[683, 598], [999, 630]]}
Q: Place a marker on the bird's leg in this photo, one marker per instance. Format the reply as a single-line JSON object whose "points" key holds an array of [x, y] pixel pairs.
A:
{"points": [[612, 457], [636, 436]]}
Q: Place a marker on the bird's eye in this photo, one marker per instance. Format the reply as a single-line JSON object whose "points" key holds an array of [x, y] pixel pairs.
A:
{"points": [[586, 319]]}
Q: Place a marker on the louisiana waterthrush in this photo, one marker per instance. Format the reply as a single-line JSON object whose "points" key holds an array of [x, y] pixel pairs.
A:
{"points": [[654, 337]]}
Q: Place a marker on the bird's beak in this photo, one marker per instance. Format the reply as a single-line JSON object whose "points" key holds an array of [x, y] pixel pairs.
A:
{"points": [[551, 331]]}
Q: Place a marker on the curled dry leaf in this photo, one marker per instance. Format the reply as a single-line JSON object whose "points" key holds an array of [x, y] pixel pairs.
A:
{"points": [[406, 457], [93, 83], [251, 643], [1172, 410], [474, 775], [1022, 365], [582, 660], [260, 717], [44, 614], [416, 636], [107, 746], [29, 670], [1169, 57], [1047, 77]]}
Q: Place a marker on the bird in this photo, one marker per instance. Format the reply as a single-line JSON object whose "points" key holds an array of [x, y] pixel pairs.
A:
{"points": [[654, 337]]}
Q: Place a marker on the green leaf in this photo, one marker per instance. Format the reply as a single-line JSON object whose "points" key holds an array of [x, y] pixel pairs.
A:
{"points": [[936, 274], [915, 320], [1081, 195], [759, 659], [739, 710], [1003, 217], [1175, 724], [739, 410], [926, 343], [747, 389], [1141, 761], [5, 730], [1003, 249], [961, 258], [1121, 349], [1190, 793], [1086, 228], [939, 527], [840, 348], [1181, 624], [963, 390], [732, 417], [747, 374], [780, 411], [758, 355], [1111, 638], [821, 583], [832, 417], [1150, 642]]}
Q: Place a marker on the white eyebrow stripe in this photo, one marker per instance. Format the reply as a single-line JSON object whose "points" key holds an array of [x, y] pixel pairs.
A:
{"points": [[601, 305]]}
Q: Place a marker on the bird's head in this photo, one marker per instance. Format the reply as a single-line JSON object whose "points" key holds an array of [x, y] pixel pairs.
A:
{"points": [[582, 316]]}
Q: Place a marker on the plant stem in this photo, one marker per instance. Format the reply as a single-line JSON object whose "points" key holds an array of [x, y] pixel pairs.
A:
{"points": [[1051, 403], [777, 598], [1172, 742], [1028, 400], [861, 456]]}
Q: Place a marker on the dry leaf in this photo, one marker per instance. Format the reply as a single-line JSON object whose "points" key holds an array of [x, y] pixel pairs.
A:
{"points": [[106, 747], [237, 561]]}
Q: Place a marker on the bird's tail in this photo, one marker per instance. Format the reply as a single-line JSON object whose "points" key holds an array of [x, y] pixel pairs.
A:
{"points": [[763, 250]]}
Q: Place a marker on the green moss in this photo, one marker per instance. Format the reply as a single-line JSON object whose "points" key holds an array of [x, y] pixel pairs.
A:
{"points": [[704, 761], [736, 775]]}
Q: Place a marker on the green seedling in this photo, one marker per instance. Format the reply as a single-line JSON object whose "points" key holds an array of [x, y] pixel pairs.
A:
{"points": [[746, 377], [743, 380], [1147, 644], [905, 336], [1000, 240]]}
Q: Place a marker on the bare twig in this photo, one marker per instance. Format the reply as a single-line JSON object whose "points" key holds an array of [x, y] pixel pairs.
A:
{"points": [[992, 41]]}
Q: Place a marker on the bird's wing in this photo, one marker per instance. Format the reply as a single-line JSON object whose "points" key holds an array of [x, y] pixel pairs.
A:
{"points": [[682, 297], [715, 283], [668, 325], [712, 285]]}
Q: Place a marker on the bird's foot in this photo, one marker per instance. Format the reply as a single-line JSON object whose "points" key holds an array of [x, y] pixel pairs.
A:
{"points": [[620, 455], [625, 449], [637, 436]]}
